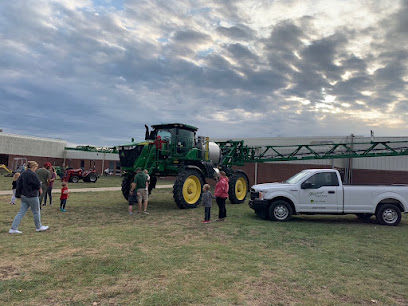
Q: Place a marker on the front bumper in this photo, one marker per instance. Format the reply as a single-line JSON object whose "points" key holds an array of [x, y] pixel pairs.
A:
{"points": [[258, 204]]}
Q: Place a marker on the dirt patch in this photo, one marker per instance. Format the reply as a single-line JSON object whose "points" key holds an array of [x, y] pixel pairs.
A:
{"points": [[8, 272]]}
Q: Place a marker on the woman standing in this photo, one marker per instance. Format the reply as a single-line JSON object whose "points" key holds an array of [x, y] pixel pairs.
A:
{"points": [[50, 185], [28, 187], [221, 195]]}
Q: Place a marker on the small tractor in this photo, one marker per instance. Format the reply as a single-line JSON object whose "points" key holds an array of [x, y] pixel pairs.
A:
{"points": [[174, 150], [74, 175]]}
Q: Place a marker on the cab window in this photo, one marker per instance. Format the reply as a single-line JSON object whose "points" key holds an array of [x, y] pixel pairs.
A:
{"points": [[321, 179]]}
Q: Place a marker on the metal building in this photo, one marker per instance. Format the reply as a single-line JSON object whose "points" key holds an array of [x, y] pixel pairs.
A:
{"points": [[17, 147]]}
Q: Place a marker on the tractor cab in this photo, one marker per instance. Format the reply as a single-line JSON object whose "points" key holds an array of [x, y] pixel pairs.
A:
{"points": [[171, 141], [178, 138]]}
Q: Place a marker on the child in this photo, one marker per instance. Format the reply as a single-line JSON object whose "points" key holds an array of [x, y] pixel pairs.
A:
{"points": [[148, 178], [64, 196], [207, 202], [14, 186]]}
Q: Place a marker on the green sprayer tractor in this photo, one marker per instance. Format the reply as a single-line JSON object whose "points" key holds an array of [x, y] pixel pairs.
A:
{"points": [[174, 150]]}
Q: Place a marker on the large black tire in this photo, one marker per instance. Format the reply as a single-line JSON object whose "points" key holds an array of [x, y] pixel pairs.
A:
{"points": [[238, 187], [280, 211], [92, 177], [187, 189], [152, 184], [388, 214], [126, 181], [74, 179]]}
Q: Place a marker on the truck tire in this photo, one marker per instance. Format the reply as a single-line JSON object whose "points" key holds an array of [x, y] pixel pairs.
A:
{"points": [[92, 177], [126, 181], [388, 214], [74, 179], [187, 189], [280, 211], [238, 187]]}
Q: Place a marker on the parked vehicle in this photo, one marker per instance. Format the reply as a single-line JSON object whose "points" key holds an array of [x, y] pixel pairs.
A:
{"points": [[320, 191], [175, 150], [74, 175]]}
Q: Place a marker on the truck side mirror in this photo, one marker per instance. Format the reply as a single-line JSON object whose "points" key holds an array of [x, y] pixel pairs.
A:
{"points": [[307, 185]]}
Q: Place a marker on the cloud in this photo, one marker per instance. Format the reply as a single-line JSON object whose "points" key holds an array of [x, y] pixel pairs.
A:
{"points": [[237, 32], [96, 71]]}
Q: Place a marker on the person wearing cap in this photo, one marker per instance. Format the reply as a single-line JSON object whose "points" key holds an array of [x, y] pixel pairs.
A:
{"points": [[28, 188], [159, 146], [139, 184], [44, 175]]}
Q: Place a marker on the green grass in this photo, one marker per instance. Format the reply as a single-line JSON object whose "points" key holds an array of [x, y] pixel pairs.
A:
{"points": [[103, 181], [96, 252]]}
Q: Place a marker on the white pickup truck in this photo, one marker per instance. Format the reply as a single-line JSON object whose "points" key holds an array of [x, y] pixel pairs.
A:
{"points": [[320, 191]]}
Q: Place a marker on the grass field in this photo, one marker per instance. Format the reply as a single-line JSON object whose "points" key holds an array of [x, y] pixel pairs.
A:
{"points": [[96, 254]]}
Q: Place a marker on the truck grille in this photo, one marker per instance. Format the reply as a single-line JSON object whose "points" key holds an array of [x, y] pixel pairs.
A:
{"points": [[254, 195]]}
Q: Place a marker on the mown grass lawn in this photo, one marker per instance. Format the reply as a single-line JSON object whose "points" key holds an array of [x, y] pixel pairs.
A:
{"points": [[97, 253]]}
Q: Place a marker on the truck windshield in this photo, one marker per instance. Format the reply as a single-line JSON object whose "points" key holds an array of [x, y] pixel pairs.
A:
{"points": [[297, 177]]}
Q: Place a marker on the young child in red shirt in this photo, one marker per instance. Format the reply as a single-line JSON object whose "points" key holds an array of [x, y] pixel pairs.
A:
{"points": [[64, 196]]}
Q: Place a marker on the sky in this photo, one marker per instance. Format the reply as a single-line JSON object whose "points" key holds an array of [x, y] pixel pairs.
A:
{"points": [[93, 72]]}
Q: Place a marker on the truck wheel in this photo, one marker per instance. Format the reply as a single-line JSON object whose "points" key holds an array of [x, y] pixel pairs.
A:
{"points": [[126, 181], [92, 178], [74, 179], [388, 214], [187, 189], [280, 211], [238, 187]]}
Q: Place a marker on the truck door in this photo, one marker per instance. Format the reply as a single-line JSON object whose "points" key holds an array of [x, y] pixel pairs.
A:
{"points": [[321, 193]]}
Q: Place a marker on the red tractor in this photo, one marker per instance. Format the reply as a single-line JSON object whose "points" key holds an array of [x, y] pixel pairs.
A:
{"points": [[74, 175]]}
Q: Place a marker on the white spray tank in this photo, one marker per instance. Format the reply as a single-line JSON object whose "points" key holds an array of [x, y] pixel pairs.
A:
{"points": [[210, 151]]}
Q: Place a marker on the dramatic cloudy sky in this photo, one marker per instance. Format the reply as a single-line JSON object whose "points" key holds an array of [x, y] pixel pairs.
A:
{"points": [[94, 72]]}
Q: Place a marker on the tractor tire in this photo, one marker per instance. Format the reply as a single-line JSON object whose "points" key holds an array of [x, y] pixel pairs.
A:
{"points": [[238, 187], [126, 181], [187, 189], [92, 177], [74, 179]]}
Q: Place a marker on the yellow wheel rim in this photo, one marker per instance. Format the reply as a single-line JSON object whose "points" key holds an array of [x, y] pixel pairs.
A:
{"points": [[241, 189], [192, 189]]}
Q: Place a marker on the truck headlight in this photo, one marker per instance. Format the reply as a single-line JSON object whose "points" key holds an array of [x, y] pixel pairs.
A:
{"points": [[261, 195]]}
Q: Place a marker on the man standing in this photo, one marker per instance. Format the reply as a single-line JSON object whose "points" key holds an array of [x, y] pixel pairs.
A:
{"points": [[139, 183], [44, 175]]}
